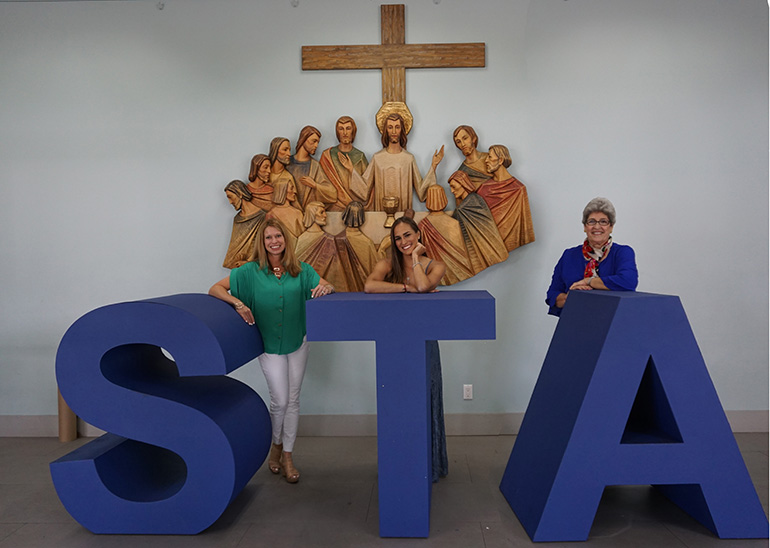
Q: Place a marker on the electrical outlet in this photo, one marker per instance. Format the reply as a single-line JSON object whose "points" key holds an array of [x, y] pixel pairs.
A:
{"points": [[467, 391]]}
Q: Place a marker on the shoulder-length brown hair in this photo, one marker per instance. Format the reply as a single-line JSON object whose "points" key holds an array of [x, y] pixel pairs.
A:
{"points": [[288, 260], [304, 135], [394, 116], [471, 133], [256, 163], [275, 144], [397, 273], [345, 120]]}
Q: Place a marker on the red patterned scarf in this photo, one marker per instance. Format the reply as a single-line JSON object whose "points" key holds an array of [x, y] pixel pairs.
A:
{"points": [[594, 257]]}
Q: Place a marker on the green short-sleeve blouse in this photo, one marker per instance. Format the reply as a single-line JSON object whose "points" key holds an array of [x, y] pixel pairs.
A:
{"points": [[278, 305]]}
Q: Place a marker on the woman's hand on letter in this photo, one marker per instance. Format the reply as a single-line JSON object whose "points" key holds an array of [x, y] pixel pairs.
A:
{"points": [[245, 313], [321, 289], [581, 285]]}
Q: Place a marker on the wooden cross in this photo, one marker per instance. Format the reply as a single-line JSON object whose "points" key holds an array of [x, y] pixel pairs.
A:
{"points": [[393, 56]]}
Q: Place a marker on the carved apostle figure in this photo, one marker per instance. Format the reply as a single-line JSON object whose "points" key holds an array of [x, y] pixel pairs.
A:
{"points": [[312, 184], [355, 250], [259, 182], [338, 161], [474, 164], [354, 217], [314, 221], [443, 238], [280, 156], [290, 216], [242, 248], [393, 171], [507, 199], [482, 239], [317, 248]]}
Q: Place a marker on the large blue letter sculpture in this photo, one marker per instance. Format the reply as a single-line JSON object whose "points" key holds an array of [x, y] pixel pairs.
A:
{"points": [[624, 398], [184, 438], [400, 325]]}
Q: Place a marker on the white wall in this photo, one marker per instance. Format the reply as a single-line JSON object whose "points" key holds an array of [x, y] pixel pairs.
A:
{"points": [[121, 123]]}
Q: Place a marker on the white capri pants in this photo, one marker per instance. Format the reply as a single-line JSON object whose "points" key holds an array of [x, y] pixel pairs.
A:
{"points": [[284, 374]]}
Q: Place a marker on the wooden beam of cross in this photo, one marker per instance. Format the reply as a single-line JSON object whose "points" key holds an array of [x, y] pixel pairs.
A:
{"points": [[393, 56]]}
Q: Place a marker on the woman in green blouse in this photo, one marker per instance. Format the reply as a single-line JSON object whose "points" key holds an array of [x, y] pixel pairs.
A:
{"points": [[271, 292]]}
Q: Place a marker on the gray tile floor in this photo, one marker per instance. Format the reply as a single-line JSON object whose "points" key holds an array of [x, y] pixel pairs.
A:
{"points": [[335, 503]]}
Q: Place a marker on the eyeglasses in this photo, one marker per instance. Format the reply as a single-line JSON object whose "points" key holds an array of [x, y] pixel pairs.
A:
{"points": [[594, 222]]}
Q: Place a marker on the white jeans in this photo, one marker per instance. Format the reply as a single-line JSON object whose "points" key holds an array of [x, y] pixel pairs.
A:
{"points": [[284, 374]]}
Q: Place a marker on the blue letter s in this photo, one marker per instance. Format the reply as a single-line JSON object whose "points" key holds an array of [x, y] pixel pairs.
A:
{"points": [[184, 438]]}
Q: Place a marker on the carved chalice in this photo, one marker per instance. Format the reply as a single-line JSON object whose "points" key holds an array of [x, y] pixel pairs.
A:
{"points": [[390, 205]]}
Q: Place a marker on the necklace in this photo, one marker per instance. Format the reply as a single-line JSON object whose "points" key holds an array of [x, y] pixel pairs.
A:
{"points": [[277, 271], [407, 270]]}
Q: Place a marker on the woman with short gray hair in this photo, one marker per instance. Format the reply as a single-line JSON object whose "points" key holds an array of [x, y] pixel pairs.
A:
{"points": [[601, 205], [597, 264]]}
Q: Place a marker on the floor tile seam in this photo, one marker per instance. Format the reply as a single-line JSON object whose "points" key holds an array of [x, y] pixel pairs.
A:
{"points": [[481, 532], [243, 535], [12, 532], [677, 537], [467, 466], [449, 524], [369, 503], [265, 522]]}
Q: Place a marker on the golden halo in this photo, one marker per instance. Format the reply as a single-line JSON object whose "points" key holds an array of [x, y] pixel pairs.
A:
{"points": [[392, 107]]}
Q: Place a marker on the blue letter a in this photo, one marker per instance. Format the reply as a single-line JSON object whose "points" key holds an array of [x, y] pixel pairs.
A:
{"points": [[624, 398]]}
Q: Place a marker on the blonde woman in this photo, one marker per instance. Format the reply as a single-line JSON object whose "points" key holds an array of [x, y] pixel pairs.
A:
{"points": [[271, 292]]}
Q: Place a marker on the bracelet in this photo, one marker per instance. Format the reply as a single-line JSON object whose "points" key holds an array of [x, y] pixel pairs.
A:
{"points": [[416, 264], [589, 282], [238, 305]]}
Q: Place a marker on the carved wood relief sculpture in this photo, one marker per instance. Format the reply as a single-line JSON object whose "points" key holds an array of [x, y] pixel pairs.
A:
{"points": [[339, 206]]}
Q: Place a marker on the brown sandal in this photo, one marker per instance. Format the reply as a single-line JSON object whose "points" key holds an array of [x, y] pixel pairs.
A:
{"points": [[287, 468], [274, 460]]}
